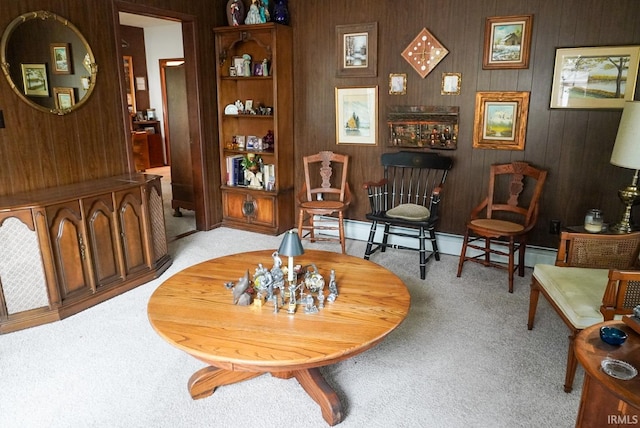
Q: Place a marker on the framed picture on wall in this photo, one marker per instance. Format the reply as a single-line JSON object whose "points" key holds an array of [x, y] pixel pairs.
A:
{"points": [[357, 115], [61, 58], [594, 77], [500, 120], [451, 84], [34, 79], [507, 42], [357, 49], [64, 98], [397, 84]]}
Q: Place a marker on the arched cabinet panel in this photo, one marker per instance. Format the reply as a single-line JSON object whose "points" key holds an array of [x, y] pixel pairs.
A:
{"points": [[63, 250]]}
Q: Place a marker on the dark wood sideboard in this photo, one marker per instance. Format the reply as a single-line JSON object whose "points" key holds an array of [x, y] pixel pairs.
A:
{"points": [[67, 248]]}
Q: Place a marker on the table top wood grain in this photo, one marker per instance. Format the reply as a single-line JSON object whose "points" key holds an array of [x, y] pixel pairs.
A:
{"points": [[194, 311]]}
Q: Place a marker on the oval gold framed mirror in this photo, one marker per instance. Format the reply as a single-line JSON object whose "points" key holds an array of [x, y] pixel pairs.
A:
{"points": [[48, 62]]}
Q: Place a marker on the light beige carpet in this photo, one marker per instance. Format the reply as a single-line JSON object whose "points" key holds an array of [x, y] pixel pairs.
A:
{"points": [[462, 358]]}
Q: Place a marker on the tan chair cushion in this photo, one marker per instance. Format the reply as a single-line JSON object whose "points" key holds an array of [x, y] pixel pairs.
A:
{"points": [[576, 291], [412, 212]]}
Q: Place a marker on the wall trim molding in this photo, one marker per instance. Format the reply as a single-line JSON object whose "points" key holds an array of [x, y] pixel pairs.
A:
{"points": [[448, 243]]}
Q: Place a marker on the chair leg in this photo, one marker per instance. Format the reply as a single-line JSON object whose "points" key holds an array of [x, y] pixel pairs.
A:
{"points": [[341, 232], [533, 302], [372, 234], [463, 252], [300, 223], [572, 363], [511, 263], [423, 254], [434, 244], [385, 238], [312, 236], [487, 251], [521, 253]]}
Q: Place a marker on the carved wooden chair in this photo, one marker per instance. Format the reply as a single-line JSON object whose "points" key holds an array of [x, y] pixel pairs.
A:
{"points": [[499, 225], [589, 283], [323, 196], [406, 202]]}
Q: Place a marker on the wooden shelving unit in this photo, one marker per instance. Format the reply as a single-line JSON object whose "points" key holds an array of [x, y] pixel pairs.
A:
{"points": [[260, 210]]}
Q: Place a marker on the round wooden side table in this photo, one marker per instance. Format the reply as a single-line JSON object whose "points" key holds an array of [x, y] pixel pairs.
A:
{"points": [[607, 401]]}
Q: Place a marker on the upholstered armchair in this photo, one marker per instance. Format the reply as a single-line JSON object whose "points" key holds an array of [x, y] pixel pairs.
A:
{"points": [[589, 283]]}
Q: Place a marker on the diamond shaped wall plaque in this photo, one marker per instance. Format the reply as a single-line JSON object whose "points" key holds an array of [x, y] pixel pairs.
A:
{"points": [[424, 53]]}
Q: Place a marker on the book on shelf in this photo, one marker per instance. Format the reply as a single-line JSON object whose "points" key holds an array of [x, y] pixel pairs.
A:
{"points": [[235, 172], [269, 176]]}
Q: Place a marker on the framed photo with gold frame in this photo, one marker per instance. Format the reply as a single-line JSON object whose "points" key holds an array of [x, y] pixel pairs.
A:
{"points": [[507, 42], [594, 77], [451, 83], [500, 120], [357, 50], [357, 115], [64, 98], [397, 84]]}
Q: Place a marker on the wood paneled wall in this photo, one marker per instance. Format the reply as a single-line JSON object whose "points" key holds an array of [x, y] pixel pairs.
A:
{"points": [[38, 150], [574, 146], [41, 150]]}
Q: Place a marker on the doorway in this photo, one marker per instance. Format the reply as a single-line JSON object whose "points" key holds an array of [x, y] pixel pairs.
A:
{"points": [[183, 127]]}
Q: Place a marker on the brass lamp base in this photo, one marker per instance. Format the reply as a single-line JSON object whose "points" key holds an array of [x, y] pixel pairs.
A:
{"points": [[628, 196]]}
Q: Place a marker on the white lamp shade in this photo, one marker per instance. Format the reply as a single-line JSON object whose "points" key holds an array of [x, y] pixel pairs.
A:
{"points": [[626, 150]]}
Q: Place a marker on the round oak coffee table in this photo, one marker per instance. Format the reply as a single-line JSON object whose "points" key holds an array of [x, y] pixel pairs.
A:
{"points": [[194, 312]]}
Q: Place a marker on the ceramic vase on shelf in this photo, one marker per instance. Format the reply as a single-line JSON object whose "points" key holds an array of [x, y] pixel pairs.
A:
{"points": [[281, 12]]}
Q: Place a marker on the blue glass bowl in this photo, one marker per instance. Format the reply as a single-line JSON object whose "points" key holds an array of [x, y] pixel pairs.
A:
{"points": [[612, 335]]}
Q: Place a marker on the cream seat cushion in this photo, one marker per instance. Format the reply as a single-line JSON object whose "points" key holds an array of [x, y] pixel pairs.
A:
{"points": [[412, 212], [576, 291]]}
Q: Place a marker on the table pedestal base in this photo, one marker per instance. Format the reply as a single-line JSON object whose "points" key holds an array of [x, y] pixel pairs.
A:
{"points": [[204, 382]]}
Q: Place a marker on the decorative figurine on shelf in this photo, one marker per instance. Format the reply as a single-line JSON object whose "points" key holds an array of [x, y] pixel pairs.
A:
{"points": [[254, 179], [235, 12], [246, 61], [265, 15], [253, 16], [268, 141], [265, 67]]}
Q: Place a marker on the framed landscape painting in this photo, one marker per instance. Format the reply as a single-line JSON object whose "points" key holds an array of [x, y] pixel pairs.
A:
{"points": [[357, 49], [34, 79], [61, 59], [64, 98], [594, 77], [507, 42], [500, 120], [357, 115]]}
